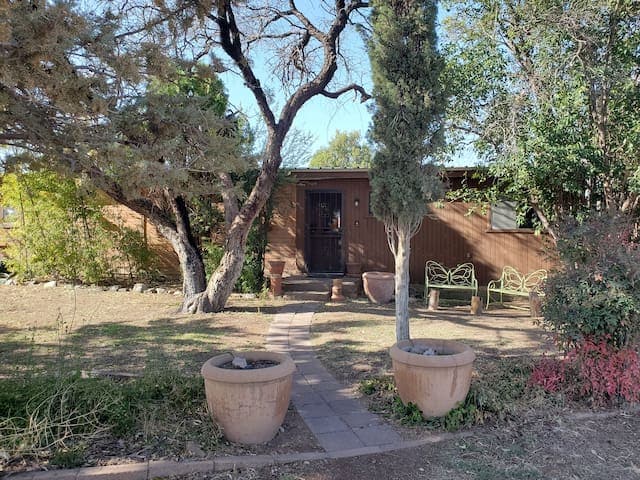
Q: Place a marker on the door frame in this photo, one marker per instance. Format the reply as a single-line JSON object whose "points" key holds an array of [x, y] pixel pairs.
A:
{"points": [[306, 228]]}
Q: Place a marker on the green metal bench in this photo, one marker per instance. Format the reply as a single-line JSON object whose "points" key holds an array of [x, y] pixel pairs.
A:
{"points": [[461, 277], [514, 283]]}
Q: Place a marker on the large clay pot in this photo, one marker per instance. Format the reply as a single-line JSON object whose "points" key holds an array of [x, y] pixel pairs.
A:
{"points": [[379, 286], [249, 404], [435, 383]]}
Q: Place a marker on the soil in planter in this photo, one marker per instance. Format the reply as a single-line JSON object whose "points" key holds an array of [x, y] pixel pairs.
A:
{"points": [[251, 365]]}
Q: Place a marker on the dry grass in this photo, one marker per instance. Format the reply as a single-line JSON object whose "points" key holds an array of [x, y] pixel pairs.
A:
{"points": [[353, 339], [119, 331]]}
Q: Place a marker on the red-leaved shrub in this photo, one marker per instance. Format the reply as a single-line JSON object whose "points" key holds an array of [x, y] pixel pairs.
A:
{"points": [[597, 371], [549, 373]]}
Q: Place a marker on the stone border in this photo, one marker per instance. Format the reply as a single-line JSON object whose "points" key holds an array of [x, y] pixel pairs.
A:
{"points": [[165, 468]]}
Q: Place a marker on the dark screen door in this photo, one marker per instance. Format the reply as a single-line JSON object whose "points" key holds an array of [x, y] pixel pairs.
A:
{"points": [[324, 232]]}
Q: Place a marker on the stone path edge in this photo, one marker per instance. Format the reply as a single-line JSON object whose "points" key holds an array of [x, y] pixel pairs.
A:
{"points": [[166, 468]]}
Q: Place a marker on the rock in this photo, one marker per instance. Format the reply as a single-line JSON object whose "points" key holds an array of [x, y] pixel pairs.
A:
{"points": [[239, 362], [177, 293], [419, 349], [161, 290], [194, 449], [406, 348], [139, 288], [430, 352], [114, 288], [123, 289], [51, 284], [10, 281]]}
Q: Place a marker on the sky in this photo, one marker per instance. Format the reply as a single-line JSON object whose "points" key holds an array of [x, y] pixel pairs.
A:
{"points": [[321, 116]]}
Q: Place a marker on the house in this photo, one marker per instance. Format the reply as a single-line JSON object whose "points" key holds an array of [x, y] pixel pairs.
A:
{"points": [[322, 225]]}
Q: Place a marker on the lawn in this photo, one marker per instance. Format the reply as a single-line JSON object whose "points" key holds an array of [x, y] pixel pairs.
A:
{"points": [[353, 340], [161, 413], [119, 331]]}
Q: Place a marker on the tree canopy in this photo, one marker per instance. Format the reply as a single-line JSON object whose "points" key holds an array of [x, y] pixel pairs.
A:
{"points": [[549, 92], [346, 150], [86, 89], [407, 128]]}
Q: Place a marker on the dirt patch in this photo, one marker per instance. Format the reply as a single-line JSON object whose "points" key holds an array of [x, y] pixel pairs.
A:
{"points": [[562, 448]]}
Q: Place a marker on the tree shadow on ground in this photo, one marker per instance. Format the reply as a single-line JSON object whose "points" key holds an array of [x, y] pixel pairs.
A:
{"points": [[114, 346]]}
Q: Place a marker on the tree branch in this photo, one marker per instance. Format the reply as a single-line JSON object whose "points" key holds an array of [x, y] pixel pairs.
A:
{"points": [[364, 96]]}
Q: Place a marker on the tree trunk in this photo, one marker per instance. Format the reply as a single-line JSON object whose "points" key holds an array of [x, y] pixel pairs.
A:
{"points": [[221, 283], [402, 252], [191, 264]]}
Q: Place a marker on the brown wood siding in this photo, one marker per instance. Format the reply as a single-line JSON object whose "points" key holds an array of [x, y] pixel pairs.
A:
{"points": [[281, 236], [449, 235]]}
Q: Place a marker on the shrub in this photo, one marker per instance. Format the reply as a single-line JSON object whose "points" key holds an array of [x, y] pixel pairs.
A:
{"points": [[595, 293], [598, 371], [59, 231]]}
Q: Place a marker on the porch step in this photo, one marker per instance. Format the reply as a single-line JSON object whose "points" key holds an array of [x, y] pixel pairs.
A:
{"points": [[306, 284], [308, 296], [319, 289]]}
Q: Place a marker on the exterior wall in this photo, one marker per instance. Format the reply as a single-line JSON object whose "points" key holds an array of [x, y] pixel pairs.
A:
{"points": [[448, 235], [281, 237], [166, 259]]}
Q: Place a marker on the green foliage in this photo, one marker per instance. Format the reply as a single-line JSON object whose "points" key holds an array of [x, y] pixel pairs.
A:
{"points": [[547, 92], [59, 231], [499, 392], [345, 150], [408, 114], [595, 293]]}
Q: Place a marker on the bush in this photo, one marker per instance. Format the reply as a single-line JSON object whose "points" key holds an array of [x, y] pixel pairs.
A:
{"points": [[598, 371], [59, 231], [595, 294]]}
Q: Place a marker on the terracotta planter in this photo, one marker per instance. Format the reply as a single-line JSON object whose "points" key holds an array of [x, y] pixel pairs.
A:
{"points": [[250, 404], [379, 286], [435, 383], [276, 267]]}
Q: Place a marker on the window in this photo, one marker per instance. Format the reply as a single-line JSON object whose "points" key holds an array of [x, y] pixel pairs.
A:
{"points": [[504, 216]]}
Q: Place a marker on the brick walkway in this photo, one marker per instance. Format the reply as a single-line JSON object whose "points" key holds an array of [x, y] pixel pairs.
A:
{"points": [[331, 411]]}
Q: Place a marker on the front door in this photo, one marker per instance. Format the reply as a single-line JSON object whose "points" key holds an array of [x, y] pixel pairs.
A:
{"points": [[323, 229]]}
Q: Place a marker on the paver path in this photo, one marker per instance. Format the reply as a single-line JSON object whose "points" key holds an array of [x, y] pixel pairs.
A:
{"points": [[331, 411]]}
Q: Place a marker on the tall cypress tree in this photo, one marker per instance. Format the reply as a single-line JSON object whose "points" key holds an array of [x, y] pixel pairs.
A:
{"points": [[407, 128]]}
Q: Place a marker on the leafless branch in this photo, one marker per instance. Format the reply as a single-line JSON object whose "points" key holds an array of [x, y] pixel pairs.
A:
{"points": [[364, 96]]}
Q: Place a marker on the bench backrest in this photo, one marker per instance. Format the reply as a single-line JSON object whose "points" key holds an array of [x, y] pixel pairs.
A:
{"points": [[512, 279], [462, 275]]}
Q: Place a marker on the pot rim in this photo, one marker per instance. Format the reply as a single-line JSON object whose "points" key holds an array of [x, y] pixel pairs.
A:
{"points": [[376, 274], [463, 354], [211, 370]]}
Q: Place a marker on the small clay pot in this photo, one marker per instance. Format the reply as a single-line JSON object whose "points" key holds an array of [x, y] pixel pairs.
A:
{"points": [[276, 267]]}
